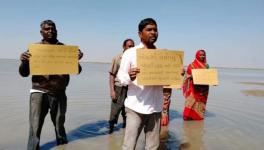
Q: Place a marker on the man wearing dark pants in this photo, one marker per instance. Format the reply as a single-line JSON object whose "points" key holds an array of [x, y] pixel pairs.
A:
{"points": [[117, 91], [47, 93]]}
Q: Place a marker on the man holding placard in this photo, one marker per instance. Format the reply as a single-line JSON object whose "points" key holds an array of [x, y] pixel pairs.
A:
{"points": [[48, 91], [143, 103]]}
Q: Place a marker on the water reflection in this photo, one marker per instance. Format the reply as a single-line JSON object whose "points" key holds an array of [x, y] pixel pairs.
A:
{"points": [[164, 134], [168, 139], [193, 135], [115, 141]]}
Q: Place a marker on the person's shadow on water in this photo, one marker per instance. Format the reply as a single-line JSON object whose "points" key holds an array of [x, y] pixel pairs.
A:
{"points": [[90, 130], [208, 114]]}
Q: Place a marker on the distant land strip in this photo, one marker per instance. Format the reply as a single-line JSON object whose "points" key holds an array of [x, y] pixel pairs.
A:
{"points": [[108, 62], [252, 83]]}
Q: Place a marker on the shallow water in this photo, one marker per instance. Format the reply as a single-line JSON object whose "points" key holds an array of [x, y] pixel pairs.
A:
{"points": [[233, 120]]}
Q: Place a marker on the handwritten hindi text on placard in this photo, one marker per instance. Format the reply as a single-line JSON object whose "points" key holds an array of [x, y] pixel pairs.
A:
{"points": [[159, 67], [205, 76], [53, 59]]}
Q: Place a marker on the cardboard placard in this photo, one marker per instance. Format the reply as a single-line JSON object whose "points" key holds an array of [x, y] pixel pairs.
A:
{"points": [[159, 67], [205, 76], [53, 59]]}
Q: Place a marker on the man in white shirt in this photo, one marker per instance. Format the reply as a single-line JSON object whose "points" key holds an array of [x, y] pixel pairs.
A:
{"points": [[143, 103]]}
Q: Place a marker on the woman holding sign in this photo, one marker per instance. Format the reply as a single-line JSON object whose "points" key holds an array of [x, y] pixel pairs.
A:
{"points": [[195, 95]]}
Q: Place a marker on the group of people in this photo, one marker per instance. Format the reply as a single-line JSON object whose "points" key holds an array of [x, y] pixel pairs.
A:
{"points": [[142, 107]]}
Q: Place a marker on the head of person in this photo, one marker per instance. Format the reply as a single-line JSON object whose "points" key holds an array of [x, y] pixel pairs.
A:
{"points": [[48, 30], [201, 55], [148, 32], [128, 43]]}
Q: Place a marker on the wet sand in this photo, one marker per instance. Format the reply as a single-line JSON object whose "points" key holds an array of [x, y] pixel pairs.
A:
{"points": [[258, 93], [234, 121], [254, 92], [253, 83]]}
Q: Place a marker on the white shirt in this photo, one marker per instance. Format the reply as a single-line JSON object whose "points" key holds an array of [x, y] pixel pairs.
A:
{"points": [[142, 99]]}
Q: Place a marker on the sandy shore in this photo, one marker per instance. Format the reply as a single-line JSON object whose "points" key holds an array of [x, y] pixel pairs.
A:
{"points": [[258, 93], [253, 83], [253, 92]]}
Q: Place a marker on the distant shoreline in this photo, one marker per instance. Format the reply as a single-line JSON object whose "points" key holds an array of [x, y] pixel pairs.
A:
{"points": [[253, 83], [255, 92], [246, 68]]}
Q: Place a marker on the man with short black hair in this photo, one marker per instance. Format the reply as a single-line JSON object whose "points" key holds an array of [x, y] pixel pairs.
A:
{"points": [[117, 91], [143, 103], [47, 93]]}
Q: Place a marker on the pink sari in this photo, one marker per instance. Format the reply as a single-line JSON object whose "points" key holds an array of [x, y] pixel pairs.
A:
{"points": [[195, 95]]}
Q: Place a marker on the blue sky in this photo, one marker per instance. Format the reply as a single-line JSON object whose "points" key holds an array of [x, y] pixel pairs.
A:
{"points": [[231, 31]]}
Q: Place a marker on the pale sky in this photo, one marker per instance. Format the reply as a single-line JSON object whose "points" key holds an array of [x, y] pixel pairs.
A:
{"points": [[231, 31]]}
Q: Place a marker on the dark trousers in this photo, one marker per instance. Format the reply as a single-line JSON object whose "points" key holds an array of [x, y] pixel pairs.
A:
{"points": [[40, 104], [118, 106]]}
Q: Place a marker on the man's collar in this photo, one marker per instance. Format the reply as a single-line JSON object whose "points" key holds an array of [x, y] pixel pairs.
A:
{"points": [[141, 45], [52, 42]]}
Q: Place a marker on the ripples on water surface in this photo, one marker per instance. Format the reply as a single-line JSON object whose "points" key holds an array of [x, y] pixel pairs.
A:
{"points": [[233, 120]]}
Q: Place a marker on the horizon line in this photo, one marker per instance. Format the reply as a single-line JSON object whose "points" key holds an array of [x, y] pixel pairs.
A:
{"points": [[102, 62]]}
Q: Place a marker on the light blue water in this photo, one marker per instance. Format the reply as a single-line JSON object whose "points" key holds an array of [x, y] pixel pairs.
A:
{"points": [[233, 120]]}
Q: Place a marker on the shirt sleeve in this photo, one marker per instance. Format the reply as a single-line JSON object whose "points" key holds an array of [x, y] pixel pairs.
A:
{"points": [[122, 74], [112, 67]]}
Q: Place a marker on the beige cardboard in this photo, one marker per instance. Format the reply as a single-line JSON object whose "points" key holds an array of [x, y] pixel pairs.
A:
{"points": [[205, 76], [159, 67], [53, 59]]}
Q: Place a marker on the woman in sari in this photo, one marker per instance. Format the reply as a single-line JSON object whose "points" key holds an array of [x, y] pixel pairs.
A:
{"points": [[195, 95]]}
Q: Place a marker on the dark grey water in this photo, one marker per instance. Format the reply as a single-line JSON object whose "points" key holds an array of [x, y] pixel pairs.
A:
{"points": [[233, 120]]}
